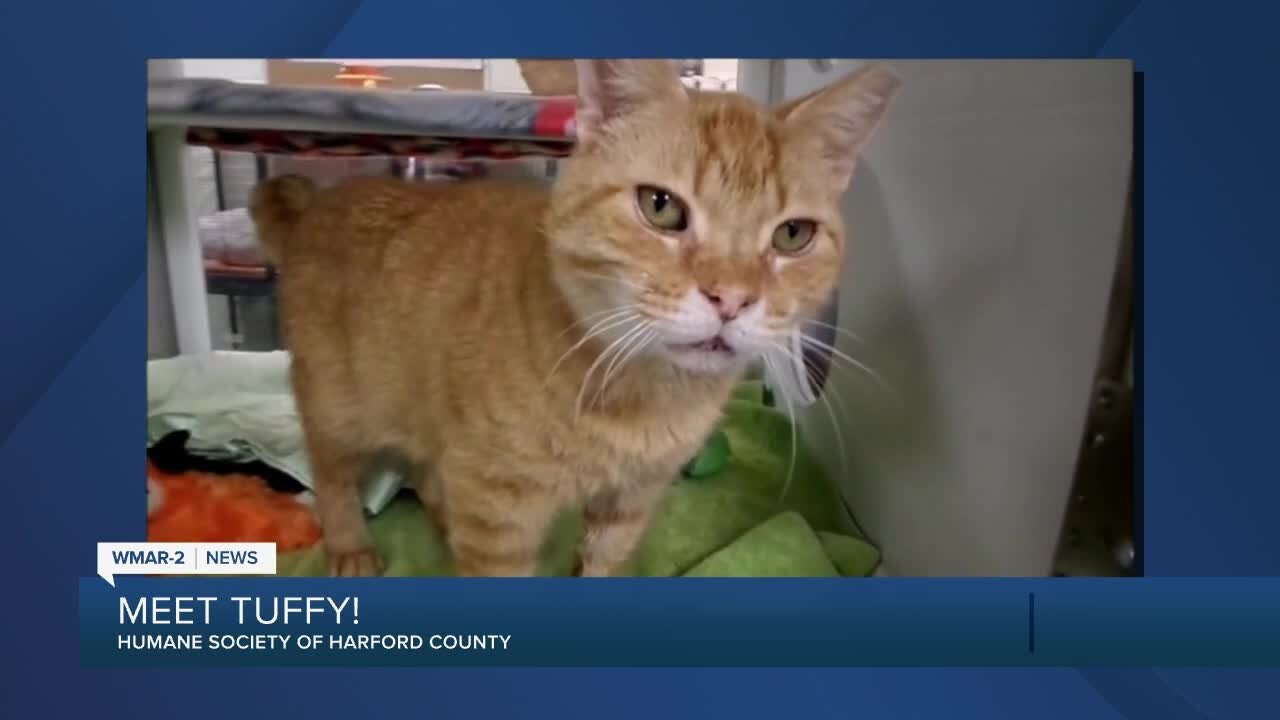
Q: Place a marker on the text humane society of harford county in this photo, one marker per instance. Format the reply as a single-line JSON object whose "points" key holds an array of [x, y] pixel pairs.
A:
{"points": [[199, 610]]}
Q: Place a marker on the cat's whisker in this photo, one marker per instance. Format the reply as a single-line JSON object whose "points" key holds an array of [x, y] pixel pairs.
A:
{"points": [[828, 388], [829, 391], [586, 378], [837, 367], [638, 346], [644, 342], [786, 334], [600, 327], [633, 338], [836, 353], [596, 315], [791, 413], [884, 384], [842, 331], [603, 325], [812, 372]]}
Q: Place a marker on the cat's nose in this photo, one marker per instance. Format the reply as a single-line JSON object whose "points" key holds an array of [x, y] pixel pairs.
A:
{"points": [[728, 302]]}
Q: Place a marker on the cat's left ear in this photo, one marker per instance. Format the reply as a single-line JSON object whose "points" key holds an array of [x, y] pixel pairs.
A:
{"points": [[839, 118]]}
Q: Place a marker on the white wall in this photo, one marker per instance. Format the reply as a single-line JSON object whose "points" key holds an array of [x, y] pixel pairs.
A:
{"points": [[245, 71], [723, 69], [985, 223], [503, 75]]}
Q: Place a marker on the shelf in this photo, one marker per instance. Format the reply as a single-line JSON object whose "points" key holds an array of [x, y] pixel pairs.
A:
{"points": [[347, 122]]}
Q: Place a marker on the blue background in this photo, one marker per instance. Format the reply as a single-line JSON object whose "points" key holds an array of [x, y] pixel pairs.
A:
{"points": [[72, 223], [715, 622]]}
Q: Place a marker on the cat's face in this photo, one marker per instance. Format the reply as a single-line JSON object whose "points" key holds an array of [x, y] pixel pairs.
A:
{"points": [[702, 228]]}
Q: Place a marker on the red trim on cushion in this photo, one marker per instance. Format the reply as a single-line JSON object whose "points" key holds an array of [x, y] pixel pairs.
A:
{"points": [[255, 272], [555, 117]]}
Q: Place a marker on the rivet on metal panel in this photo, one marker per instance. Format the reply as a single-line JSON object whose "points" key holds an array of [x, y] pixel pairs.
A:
{"points": [[1105, 398]]}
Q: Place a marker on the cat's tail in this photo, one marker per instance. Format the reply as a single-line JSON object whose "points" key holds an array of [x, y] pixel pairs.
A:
{"points": [[275, 208]]}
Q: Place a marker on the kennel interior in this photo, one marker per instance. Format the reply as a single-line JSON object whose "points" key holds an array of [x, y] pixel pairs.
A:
{"points": [[990, 286], [974, 408]]}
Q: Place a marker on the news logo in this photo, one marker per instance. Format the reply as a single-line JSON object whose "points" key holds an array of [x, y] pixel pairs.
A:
{"points": [[151, 558]]}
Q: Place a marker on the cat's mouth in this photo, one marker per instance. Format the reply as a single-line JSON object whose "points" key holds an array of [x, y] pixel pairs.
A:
{"points": [[715, 345]]}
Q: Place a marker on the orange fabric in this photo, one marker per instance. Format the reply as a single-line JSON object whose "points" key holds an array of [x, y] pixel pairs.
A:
{"points": [[197, 507]]}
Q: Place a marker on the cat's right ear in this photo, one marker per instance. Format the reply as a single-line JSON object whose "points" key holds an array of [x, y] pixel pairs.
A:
{"points": [[608, 89]]}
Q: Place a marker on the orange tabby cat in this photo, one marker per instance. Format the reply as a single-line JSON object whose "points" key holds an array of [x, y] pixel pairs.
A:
{"points": [[527, 349]]}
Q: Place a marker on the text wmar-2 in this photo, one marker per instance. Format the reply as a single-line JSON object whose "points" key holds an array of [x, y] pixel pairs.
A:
{"points": [[178, 557], [144, 558]]}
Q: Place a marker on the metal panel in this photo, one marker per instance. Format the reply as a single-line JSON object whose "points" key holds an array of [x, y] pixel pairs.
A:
{"points": [[985, 221]]}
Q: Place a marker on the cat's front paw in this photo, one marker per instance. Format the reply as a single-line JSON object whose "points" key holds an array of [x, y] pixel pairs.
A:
{"points": [[591, 569], [359, 563]]}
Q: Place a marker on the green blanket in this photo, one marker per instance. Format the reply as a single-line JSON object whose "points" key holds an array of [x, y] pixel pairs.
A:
{"points": [[736, 521]]}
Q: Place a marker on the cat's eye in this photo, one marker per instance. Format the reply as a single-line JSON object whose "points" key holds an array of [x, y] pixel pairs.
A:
{"points": [[794, 236], [662, 209]]}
